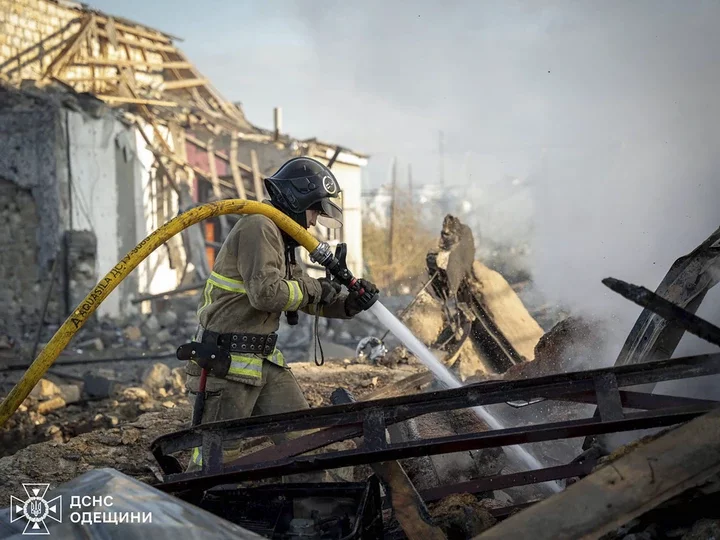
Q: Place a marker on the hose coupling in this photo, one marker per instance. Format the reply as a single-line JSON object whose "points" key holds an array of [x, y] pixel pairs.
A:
{"points": [[322, 254]]}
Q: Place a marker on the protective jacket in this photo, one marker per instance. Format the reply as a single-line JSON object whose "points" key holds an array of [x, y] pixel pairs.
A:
{"points": [[250, 286]]}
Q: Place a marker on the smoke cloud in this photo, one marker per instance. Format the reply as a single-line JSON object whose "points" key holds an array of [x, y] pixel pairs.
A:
{"points": [[607, 113]]}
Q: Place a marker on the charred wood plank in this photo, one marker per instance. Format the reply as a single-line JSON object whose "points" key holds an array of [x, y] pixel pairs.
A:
{"points": [[624, 489], [665, 309], [454, 260], [685, 285]]}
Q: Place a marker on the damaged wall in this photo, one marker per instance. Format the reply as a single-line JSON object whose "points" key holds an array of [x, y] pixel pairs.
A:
{"points": [[23, 23], [29, 166], [93, 188], [70, 164], [117, 195], [156, 204]]}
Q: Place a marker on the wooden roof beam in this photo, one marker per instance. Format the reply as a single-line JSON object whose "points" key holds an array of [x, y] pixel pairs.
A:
{"points": [[184, 83], [155, 36], [223, 156], [137, 43], [71, 49], [139, 101], [131, 63]]}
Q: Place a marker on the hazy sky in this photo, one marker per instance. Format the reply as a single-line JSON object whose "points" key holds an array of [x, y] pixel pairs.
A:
{"points": [[610, 108]]}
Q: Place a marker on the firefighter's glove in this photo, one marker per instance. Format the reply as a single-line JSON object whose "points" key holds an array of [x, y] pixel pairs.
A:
{"points": [[353, 302], [330, 291]]}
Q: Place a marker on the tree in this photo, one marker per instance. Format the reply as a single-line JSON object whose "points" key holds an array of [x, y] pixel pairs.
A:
{"points": [[401, 267]]}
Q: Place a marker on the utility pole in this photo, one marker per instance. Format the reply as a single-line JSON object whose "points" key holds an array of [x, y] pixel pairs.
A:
{"points": [[442, 159], [410, 185], [393, 195]]}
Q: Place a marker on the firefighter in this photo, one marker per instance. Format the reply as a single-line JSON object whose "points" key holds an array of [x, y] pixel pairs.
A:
{"points": [[254, 280]]}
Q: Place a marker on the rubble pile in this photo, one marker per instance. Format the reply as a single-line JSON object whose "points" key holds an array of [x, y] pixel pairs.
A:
{"points": [[469, 315], [446, 469], [574, 344], [47, 427], [59, 412], [124, 446]]}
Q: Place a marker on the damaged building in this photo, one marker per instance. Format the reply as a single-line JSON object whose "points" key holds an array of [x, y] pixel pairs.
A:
{"points": [[480, 421], [108, 132]]}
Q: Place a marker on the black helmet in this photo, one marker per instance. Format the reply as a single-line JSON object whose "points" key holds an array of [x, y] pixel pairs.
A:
{"points": [[301, 184]]}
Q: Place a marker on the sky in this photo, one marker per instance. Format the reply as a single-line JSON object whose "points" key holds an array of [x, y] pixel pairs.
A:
{"points": [[607, 111]]}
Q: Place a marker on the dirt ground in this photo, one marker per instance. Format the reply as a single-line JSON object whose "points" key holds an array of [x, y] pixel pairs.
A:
{"points": [[117, 432]]}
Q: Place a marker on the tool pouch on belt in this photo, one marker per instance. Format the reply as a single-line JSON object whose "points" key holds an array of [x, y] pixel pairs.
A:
{"points": [[247, 354], [209, 357]]}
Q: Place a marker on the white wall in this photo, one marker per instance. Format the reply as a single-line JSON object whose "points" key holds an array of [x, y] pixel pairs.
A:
{"points": [[95, 202], [94, 198], [350, 179]]}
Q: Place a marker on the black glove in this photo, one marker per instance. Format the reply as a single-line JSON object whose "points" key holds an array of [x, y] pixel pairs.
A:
{"points": [[330, 291], [353, 306]]}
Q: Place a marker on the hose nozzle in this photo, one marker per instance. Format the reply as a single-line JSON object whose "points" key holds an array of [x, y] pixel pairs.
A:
{"points": [[336, 269]]}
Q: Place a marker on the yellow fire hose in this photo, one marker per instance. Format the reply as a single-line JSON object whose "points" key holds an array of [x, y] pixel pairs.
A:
{"points": [[121, 270]]}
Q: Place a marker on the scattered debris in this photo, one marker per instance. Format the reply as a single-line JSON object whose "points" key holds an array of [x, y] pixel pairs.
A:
{"points": [[473, 321], [377, 349], [471, 317], [157, 377], [573, 344], [44, 389], [462, 516]]}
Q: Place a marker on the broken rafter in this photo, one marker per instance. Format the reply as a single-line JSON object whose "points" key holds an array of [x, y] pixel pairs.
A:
{"points": [[193, 91], [200, 144], [71, 49], [226, 108], [154, 36], [213, 170], [667, 310], [131, 63], [205, 175], [149, 116], [99, 78], [183, 84], [150, 46], [257, 182], [234, 167], [158, 155], [134, 100]]}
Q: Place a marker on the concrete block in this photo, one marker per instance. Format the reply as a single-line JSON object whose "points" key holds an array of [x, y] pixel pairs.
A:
{"points": [[71, 393], [45, 389], [98, 386]]}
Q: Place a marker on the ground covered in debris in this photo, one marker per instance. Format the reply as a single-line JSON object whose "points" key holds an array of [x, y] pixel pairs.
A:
{"points": [[116, 431]]}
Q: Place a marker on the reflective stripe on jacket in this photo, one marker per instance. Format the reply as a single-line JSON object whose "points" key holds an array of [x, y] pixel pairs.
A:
{"points": [[245, 368]]}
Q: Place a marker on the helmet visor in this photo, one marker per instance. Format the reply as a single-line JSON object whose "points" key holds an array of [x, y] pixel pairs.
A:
{"points": [[330, 215]]}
